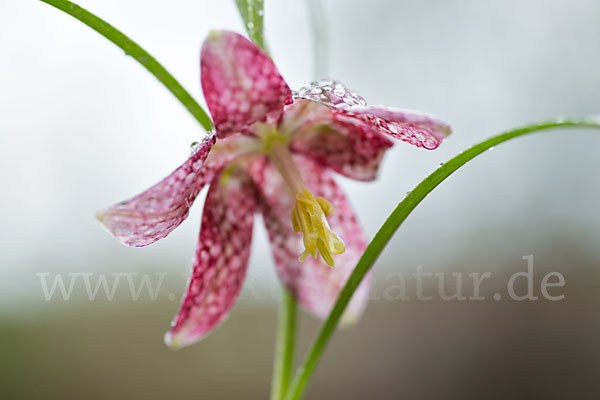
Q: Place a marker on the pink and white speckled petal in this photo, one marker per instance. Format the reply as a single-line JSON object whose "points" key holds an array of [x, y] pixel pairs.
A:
{"points": [[240, 82], [315, 284], [414, 127], [155, 213], [419, 129], [221, 258], [349, 146]]}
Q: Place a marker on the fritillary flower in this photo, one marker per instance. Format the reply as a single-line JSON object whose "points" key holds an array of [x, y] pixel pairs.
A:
{"points": [[272, 152]]}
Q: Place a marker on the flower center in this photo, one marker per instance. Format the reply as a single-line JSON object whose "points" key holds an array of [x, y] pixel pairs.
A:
{"points": [[309, 212]]}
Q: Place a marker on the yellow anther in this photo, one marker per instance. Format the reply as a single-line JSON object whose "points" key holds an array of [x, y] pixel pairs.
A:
{"points": [[308, 217], [325, 206], [309, 213]]}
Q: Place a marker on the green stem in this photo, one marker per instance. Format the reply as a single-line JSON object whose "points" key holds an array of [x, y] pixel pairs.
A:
{"points": [[134, 50], [388, 229], [284, 352]]}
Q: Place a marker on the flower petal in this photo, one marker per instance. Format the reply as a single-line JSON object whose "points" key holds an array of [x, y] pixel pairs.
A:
{"points": [[414, 127], [221, 258], [419, 129], [349, 146], [240, 82], [155, 213], [315, 284]]}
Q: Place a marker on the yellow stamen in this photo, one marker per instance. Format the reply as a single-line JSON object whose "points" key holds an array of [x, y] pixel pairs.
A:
{"points": [[308, 217], [309, 213]]}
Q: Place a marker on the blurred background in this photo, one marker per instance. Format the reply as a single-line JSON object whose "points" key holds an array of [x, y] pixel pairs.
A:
{"points": [[83, 126]]}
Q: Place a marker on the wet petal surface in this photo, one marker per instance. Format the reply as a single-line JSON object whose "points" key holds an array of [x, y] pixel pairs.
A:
{"points": [[416, 128], [156, 212], [240, 82], [221, 258]]}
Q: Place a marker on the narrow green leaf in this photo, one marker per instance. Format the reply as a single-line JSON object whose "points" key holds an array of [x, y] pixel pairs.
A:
{"points": [[388, 229], [140, 55], [252, 13]]}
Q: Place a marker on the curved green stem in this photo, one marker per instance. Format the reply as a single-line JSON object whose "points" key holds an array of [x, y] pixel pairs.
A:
{"points": [[284, 352], [140, 55], [388, 229]]}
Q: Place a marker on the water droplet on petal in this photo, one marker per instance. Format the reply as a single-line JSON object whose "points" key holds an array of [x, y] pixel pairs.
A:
{"points": [[195, 146], [331, 93]]}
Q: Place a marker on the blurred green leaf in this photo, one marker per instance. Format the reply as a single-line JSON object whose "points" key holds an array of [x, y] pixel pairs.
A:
{"points": [[252, 12], [391, 225]]}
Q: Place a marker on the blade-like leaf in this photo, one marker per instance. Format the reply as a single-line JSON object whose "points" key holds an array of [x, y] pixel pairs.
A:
{"points": [[389, 227], [252, 12]]}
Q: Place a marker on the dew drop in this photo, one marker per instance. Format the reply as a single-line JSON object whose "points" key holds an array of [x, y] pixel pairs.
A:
{"points": [[196, 145], [331, 93]]}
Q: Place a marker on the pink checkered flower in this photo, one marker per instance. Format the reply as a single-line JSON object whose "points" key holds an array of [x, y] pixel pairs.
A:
{"points": [[272, 152]]}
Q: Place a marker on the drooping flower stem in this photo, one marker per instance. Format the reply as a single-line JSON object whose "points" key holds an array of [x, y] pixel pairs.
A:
{"points": [[139, 54], [388, 229], [284, 352]]}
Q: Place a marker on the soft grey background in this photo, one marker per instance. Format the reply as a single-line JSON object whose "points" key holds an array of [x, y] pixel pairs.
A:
{"points": [[83, 126]]}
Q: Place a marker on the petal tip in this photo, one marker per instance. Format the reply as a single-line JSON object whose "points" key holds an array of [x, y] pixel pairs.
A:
{"points": [[100, 216], [349, 320], [180, 339], [173, 342], [214, 34]]}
